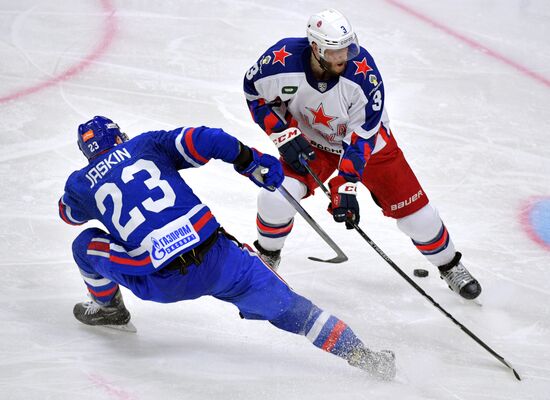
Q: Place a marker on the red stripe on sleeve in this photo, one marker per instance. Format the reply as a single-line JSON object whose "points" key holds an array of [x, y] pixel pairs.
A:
{"points": [[63, 215], [130, 261], [191, 146], [334, 336], [202, 221], [101, 246]]}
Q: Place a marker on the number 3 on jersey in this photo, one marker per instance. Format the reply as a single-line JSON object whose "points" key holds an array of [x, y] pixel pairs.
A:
{"points": [[136, 217], [252, 71], [377, 101]]}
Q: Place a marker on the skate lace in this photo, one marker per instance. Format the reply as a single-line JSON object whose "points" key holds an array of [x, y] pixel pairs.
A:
{"points": [[91, 307], [457, 276]]}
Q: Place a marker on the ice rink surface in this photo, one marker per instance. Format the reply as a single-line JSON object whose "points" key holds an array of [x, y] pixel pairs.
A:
{"points": [[468, 93]]}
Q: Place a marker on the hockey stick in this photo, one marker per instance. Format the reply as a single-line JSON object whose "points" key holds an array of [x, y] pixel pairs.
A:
{"points": [[340, 256], [411, 282]]}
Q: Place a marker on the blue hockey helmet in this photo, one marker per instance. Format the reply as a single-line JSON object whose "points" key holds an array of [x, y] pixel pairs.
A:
{"points": [[99, 135]]}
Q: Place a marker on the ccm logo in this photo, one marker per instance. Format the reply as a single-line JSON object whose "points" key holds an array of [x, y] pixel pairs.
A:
{"points": [[407, 202], [348, 188], [281, 137]]}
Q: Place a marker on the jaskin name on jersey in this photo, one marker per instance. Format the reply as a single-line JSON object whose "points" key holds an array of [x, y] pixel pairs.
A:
{"points": [[136, 182]]}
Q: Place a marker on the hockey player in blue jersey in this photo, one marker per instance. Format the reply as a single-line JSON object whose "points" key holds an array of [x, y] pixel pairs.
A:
{"points": [[165, 245], [321, 98]]}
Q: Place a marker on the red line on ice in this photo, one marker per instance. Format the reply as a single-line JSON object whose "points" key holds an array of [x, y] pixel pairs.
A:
{"points": [[106, 40], [112, 390], [472, 43]]}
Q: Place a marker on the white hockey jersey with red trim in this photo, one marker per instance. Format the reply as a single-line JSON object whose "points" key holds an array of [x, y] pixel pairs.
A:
{"points": [[281, 85]]}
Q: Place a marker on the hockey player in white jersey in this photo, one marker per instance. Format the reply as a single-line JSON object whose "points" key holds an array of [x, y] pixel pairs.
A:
{"points": [[321, 98]]}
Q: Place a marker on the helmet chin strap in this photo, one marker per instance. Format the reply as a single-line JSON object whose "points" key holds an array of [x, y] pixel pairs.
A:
{"points": [[322, 63]]}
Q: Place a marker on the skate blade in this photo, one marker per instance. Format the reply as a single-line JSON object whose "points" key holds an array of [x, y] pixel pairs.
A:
{"points": [[473, 302], [129, 327], [477, 302]]}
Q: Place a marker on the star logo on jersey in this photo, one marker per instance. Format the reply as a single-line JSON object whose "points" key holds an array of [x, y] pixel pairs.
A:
{"points": [[362, 67], [281, 55], [319, 116]]}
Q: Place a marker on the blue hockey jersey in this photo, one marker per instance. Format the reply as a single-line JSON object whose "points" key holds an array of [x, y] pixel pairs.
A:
{"points": [[137, 193]]}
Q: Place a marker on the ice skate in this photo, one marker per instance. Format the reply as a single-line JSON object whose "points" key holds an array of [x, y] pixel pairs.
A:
{"points": [[113, 315], [379, 364], [271, 257], [459, 279]]}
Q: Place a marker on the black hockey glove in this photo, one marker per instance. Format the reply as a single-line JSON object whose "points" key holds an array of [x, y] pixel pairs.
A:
{"points": [[262, 169], [343, 206], [292, 144]]}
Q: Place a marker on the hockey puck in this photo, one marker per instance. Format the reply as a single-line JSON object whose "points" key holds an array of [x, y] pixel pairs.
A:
{"points": [[421, 273]]}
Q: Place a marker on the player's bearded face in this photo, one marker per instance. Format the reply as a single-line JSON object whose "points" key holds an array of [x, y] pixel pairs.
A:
{"points": [[336, 60]]}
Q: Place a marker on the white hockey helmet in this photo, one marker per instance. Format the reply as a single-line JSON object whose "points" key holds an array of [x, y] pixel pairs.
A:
{"points": [[331, 30]]}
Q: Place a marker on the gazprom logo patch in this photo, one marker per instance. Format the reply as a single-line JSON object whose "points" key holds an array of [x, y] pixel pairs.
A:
{"points": [[173, 241]]}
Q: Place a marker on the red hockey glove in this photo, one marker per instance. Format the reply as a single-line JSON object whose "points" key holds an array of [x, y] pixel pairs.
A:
{"points": [[343, 206]]}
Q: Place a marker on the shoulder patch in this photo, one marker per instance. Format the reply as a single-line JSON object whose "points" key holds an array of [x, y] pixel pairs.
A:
{"points": [[280, 55], [362, 67], [373, 79]]}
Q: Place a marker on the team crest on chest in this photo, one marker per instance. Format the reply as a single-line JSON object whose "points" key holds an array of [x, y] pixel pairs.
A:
{"points": [[319, 116]]}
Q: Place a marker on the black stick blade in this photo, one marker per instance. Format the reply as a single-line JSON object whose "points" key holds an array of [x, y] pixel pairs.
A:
{"points": [[336, 260], [516, 374]]}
